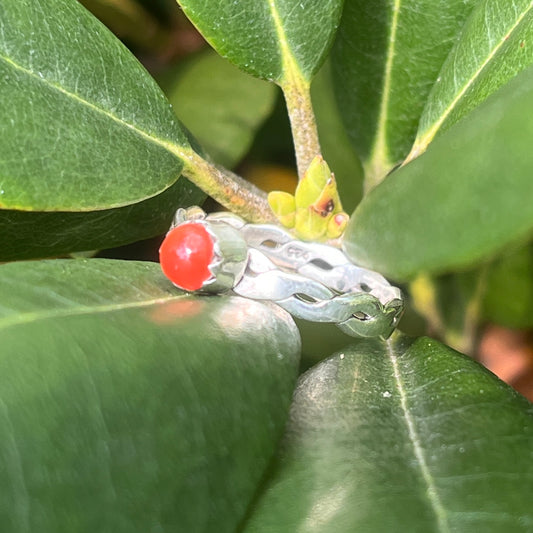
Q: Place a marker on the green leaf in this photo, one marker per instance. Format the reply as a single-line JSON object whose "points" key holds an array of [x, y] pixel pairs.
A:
{"points": [[276, 40], [509, 291], [31, 235], [336, 147], [495, 44], [385, 60], [464, 200], [127, 406], [406, 435], [220, 105], [86, 127]]}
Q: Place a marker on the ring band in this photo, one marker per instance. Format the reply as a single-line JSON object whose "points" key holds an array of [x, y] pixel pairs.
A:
{"points": [[311, 281]]}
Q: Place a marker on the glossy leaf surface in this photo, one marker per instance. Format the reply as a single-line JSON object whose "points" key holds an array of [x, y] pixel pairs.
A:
{"points": [[272, 39], [494, 46], [465, 199], [336, 146], [34, 235], [385, 59], [220, 105], [128, 406], [86, 126], [406, 435]]}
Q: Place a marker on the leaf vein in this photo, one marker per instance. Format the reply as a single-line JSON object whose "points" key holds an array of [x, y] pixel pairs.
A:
{"points": [[431, 492], [175, 149], [26, 318], [380, 156], [433, 130], [291, 70]]}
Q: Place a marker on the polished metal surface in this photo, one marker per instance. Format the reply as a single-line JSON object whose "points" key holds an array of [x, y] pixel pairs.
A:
{"points": [[312, 281]]}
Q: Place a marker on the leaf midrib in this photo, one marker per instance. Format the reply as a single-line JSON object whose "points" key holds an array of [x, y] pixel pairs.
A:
{"points": [[431, 488], [430, 133], [378, 163], [291, 72], [36, 316], [180, 151]]}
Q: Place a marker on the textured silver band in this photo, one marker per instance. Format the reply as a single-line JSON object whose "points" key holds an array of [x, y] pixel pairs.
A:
{"points": [[312, 281]]}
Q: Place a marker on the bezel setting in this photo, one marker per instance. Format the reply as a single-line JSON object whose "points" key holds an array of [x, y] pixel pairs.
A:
{"points": [[230, 252]]}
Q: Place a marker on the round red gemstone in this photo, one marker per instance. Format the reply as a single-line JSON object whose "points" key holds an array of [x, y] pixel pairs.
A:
{"points": [[186, 254]]}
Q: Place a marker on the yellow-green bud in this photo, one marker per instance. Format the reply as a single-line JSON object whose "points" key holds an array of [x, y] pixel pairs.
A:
{"points": [[283, 207], [315, 211]]}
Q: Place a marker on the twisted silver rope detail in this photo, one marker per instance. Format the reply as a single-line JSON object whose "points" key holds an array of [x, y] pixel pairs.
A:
{"points": [[313, 281]]}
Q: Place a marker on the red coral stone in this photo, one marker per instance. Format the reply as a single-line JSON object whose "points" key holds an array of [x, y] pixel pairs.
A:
{"points": [[186, 254]]}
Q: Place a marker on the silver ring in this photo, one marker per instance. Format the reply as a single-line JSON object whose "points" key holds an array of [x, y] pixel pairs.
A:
{"points": [[312, 281]]}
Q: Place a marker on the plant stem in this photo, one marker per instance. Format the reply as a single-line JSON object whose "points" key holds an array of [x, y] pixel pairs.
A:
{"points": [[228, 189], [302, 119], [237, 194]]}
